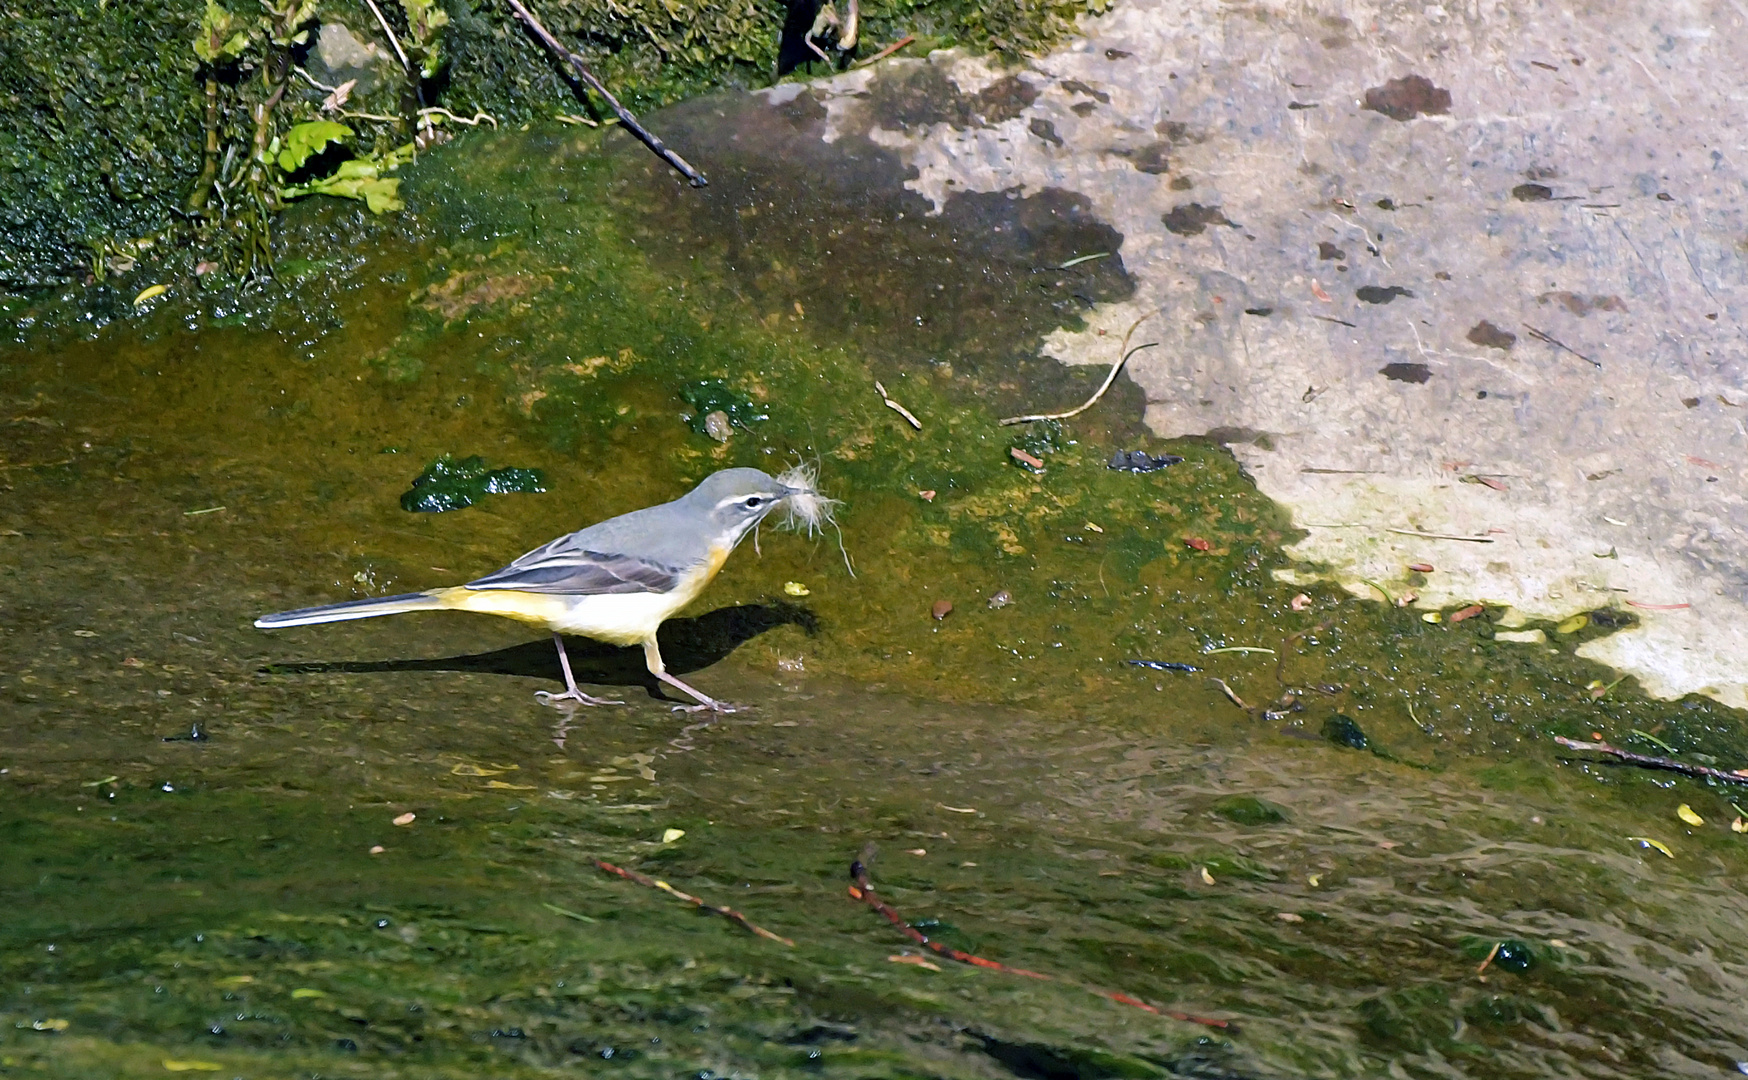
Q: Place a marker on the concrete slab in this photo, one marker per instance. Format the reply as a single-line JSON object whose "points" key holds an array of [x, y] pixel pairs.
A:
{"points": [[1460, 285]]}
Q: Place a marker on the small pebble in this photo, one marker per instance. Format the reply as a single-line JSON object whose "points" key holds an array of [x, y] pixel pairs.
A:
{"points": [[717, 427], [926, 496], [406, 819], [1301, 602], [377, 849], [1420, 567], [1197, 543], [942, 609], [1207, 878], [1288, 916], [1000, 600], [917, 851]]}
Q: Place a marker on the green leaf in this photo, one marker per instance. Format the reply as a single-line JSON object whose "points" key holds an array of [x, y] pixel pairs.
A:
{"points": [[305, 141], [222, 35]]}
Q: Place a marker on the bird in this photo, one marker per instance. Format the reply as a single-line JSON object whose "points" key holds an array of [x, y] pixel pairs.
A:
{"points": [[615, 581]]}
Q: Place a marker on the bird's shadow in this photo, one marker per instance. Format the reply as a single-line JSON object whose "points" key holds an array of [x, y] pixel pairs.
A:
{"points": [[687, 645]]}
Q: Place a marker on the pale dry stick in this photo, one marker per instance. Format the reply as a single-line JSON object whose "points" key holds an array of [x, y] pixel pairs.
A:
{"points": [[1230, 693], [896, 407], [478, 117], [406, 65], [655, 145], [1433, 536], [1122, 359]]}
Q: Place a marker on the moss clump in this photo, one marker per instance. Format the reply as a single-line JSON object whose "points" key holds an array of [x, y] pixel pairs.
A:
{"points": [[105, 167]]}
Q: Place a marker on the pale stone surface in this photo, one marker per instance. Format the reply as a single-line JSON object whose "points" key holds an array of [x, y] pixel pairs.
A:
{"points": [[1607, 470]]}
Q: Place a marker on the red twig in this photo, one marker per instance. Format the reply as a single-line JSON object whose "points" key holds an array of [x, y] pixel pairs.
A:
{"points": [[889, 50], [1649, 762], [726, 912], [864, 892]]}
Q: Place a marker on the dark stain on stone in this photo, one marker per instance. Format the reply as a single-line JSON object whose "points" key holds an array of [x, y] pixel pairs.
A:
{"points": [[1295, 106], [1583, 305], [1117, 54], [923, 95], [1181, 183], [1075, 86], [1532, 193], [789, 219], [1381, 294], [1045, 130], [1486, 334], [1263, 312], [1409, 373], [1690, 402], [1408, 97], [1152, 158], [1083, 108], [1327, 250], [1193, 219], [1175, 131], [1387, 204]]}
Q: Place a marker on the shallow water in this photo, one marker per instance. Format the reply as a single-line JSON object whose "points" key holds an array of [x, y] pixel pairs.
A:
{"points": [[185, 903]]}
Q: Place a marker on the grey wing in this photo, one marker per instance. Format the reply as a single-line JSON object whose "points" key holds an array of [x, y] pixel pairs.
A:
{"points": [[564, 569]]}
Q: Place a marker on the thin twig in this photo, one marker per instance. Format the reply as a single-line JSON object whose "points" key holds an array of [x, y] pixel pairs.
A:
{"points": [[1441, 536], [588, 77], [1543, 337], [1100, 392], [896, 407], [864, 892], [406, 65], [726, 912], [1230, 693], [889, 50], [1648, 762]]}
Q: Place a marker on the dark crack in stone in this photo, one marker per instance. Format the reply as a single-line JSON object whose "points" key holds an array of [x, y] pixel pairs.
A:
{"points": [[1408, 373]]}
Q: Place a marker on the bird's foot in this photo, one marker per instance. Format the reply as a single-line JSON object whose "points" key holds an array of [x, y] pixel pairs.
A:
{"points": [[570, 699], [710, 705]]}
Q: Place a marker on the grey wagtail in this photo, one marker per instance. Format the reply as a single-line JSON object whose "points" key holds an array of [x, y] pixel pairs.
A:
{"points": [[616, 581]]}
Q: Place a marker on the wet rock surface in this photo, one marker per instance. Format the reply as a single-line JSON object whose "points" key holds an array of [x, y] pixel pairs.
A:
{"points": [[1544, 249]]}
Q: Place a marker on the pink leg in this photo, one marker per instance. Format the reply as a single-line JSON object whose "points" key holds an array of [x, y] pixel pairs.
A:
{"points": [[571, 693], [653, 657]]}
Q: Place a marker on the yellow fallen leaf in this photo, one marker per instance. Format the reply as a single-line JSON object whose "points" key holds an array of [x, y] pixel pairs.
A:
{"points": [[235, 980], [1739, 826], [1315, 880], [1573, 625], [1207, 878], [957, 809], [52, 1024], [917, 851], [795, 588], [1646, 841], [917, 960], [670, 835], [1431, 617], [465, 769], [191, 1066], [306, 992], [1685, 813], [509, 787], [149, 293]]}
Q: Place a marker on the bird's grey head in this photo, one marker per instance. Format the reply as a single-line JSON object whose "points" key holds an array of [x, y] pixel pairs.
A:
{"points": [[737, 499]]}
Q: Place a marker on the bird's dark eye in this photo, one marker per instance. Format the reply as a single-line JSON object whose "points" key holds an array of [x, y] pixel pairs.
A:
{"points": [[753, 503]]}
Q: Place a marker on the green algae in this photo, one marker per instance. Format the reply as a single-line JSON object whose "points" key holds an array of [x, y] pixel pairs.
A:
{"points": [[448, 484]]}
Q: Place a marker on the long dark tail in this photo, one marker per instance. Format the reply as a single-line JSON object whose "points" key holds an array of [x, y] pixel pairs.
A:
{"points": [[351, 609]]}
